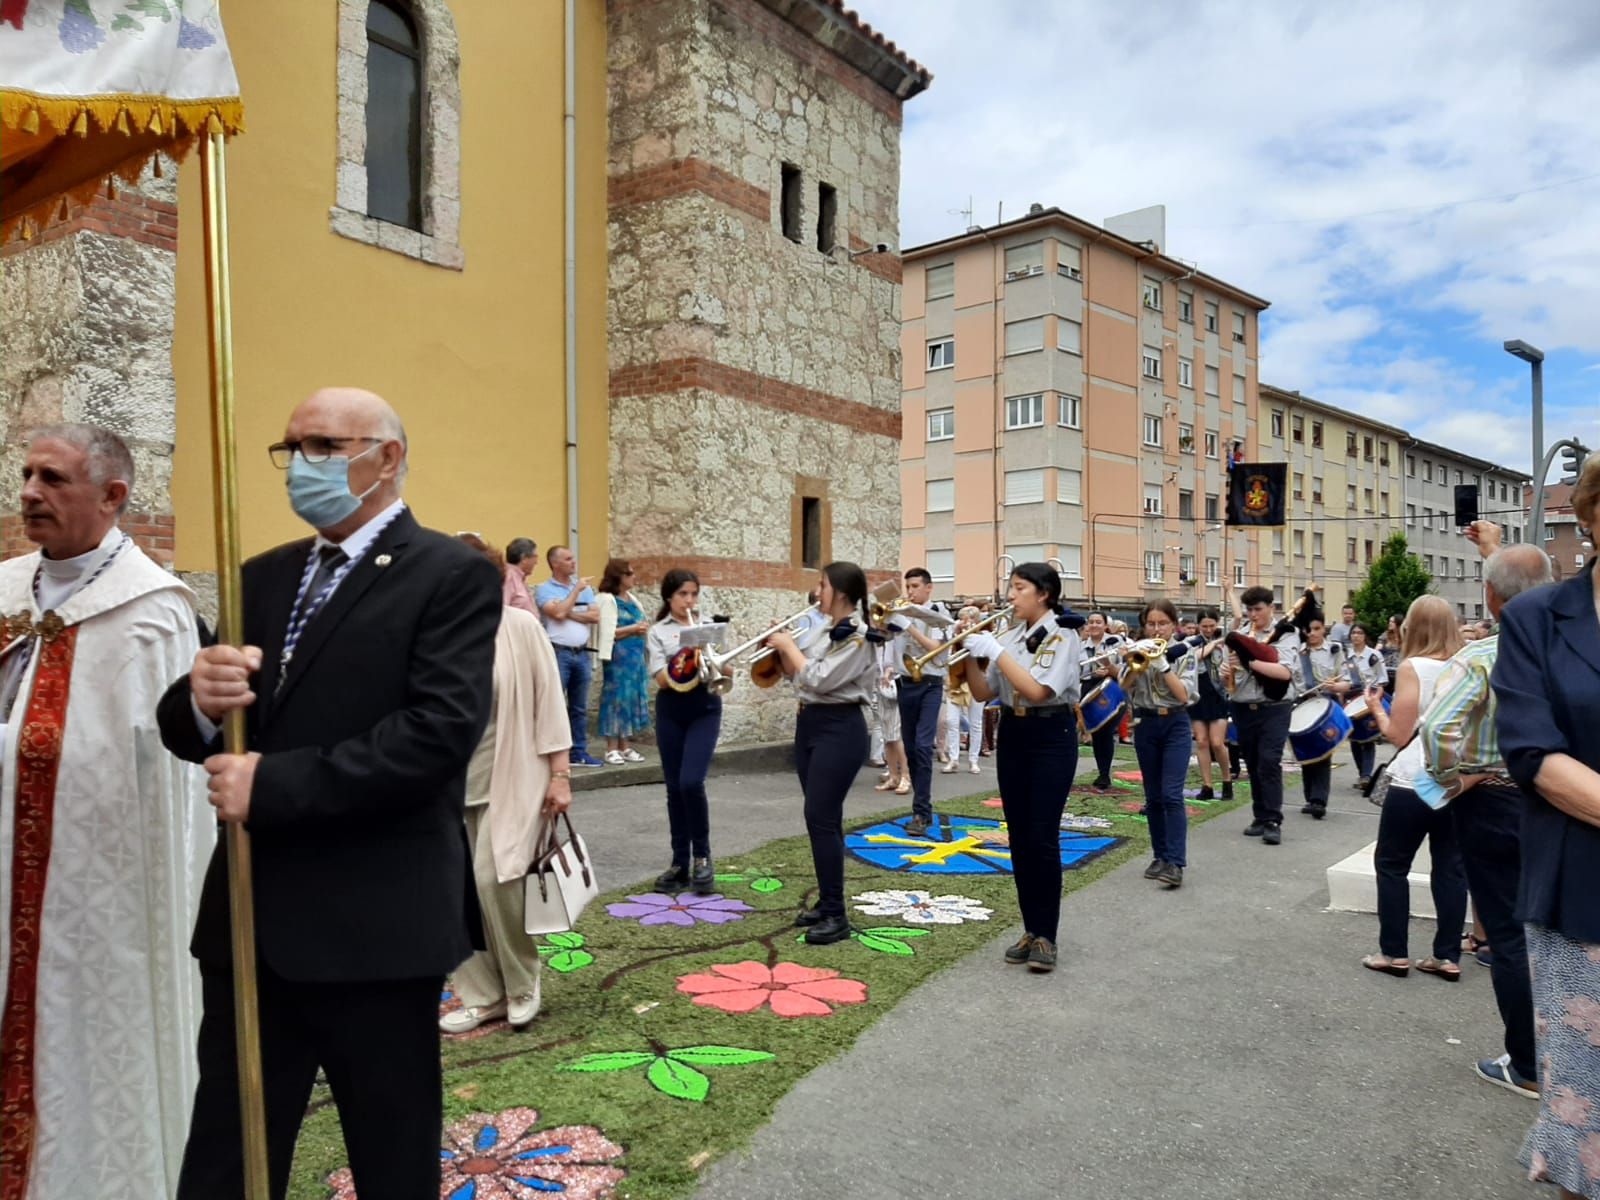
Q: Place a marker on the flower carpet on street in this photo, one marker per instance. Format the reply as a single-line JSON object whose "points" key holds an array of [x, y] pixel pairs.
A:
{"points": [[672, 1025]]}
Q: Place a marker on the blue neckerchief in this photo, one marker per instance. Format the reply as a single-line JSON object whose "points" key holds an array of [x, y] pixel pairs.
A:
{"points": [[1068, 619], [845, 628], [1036, 639]]}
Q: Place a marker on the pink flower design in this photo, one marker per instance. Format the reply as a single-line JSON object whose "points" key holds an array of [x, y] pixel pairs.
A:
{"points": [[495, 1157], [1589, 1155], [1593, 954], [790, 989], [654, 908], [1570, 1108], [1538, 1165], [1583, 1014]]}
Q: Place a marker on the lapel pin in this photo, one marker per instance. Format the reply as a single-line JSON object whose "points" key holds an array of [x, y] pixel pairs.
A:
{"points": [[383, 560]]}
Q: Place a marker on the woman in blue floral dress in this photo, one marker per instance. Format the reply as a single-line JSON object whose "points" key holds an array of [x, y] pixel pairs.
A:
{"points": [[624, 691]]}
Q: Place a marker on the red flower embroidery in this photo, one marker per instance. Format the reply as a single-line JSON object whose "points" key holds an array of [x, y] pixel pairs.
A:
{"points": [[1570, 1108], [1589, 1155], [790, 989]]}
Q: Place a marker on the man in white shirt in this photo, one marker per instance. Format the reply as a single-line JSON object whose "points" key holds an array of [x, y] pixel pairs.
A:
{"points": [[567, 606]]}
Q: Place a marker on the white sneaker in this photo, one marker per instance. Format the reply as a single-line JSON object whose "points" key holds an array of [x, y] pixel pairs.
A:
{"points": [[524, 1008], [632, 755], [614, 758], [948, 769], [465, 1020], [974, 767]]}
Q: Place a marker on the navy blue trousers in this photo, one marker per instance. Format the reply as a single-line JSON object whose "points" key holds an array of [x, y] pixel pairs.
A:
{"points": [[1366, 758], [1163, 745], [830, 744], [687, 724], [1262, 731], [919, 723], [1035, 760], [1104, 741]]}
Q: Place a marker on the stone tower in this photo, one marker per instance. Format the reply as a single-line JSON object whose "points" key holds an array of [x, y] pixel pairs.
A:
{"points": [[754, 303]]}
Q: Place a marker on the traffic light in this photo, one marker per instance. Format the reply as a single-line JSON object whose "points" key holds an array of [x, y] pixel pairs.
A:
{"points": [[1572, 456]]}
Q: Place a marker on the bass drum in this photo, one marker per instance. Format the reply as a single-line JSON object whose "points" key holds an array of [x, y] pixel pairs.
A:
{"points": [[1101, 705], [1316, 727]]}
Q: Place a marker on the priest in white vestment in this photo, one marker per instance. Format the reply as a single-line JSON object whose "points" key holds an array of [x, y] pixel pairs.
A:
{"points": [[104, 837]]}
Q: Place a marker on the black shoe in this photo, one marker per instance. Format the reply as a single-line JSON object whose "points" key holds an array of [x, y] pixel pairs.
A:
{"points": [[916, 827], [1153, 871], [1317, 811], [1042, 955], [1171, 875], [703, 880], [1144, 810], [1272, 834], [1206, 794], [1227, 790], [1018, 954], [810, 916], [675, 876], [1255, 829], [1308, 809], [1103, 784], [827, 931]]}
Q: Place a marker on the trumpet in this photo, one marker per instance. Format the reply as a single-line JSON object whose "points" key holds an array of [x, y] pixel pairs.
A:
{"points": [[914, 666], [766, 668]]}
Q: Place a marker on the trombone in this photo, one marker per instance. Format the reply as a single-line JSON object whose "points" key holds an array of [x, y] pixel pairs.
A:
{"points": [[1003, 566], [914, 666]]}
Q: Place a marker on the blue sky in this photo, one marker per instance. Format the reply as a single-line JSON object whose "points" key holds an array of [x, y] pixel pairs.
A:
{"points": [[1410, 185]]}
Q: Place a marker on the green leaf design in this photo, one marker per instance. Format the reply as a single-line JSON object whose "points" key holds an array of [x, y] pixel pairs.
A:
{"points": [[718, 1056], [124, 22], [765, 884], [894, 931], [728, 878], [677, 1080], [567, 941], [884, 945], [567, 961], [612, 1060]]}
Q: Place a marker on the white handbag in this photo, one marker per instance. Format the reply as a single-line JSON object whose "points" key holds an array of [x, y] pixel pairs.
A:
{"points": [[560, 881]]}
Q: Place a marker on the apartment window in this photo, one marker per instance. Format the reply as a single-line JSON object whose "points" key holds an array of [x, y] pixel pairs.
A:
{"points": [[1299, 486], [1427, 563], [1461, 568], [941, 281], [1069, 336], [1549, 533], [827, 214], [1350, 444], [1277, 422], [1277, 541], [1022, 261], [1316, 490], [1211, 316], [1150, 295], [811, 551], [1477, 568], [1025, 487], [1238, 574], [1153, 566], [941, 424], [1024, 337], [1211, 444], [1316, 545], [1152, 431], [1238, 327], [1186, 506], [395, 96], [1366, 449], [1071, 561], [1151, 360], [941, 565], [1212, 506], [1444, 476], [1427, 470], [1367, 547], [1069, 260], [1350, 496], [1316, 433], [1186, 438], [1185, 568], [1186, 307], [1213, 569], [941, 495], [789, 207], [1022, 554], [941, 354], [1383, 504], [1069, 486], [1411, 515], [1350, 549], [1383, 454], [1411, 466], [1459, 480], [1213, 382], [1152, 498], [1070, 411], [1025, 412], [1297, 428], [1186, 372], [1366, 499]]}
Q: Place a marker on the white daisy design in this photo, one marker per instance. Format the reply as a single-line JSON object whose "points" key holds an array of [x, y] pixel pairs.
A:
{"points": [[921, 908]]}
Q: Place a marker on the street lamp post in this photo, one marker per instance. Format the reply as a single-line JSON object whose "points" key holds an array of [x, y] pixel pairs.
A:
{"points": [[1534, 357]]}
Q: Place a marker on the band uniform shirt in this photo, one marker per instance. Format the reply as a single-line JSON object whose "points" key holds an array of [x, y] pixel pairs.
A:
{"points": [[1326, 662], [936, 666], [567, 634], [1458, 734], [661, 642], [1056, 664], [1087, 675], [1368, 664], [1248, 687], [1150, 689], [839, 670]]}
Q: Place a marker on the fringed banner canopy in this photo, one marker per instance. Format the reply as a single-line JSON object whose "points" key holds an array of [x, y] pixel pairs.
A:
{"points": [[91, 90]]}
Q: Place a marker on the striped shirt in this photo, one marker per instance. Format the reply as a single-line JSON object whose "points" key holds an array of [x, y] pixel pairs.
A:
{"points": [[1458, 734]]}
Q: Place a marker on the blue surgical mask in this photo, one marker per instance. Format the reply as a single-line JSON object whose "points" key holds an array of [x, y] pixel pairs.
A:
{"points": [[320, 492]]}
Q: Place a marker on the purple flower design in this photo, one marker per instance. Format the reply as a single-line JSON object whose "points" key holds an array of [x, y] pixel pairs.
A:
{"points": [[653, 908], [192, 36], [79, 31]]}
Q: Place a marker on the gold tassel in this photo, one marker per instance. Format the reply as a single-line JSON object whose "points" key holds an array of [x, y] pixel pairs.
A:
{"points": [[30, 123], [155, 122], [81, 125], [213, 124], [64, 213], [27, 230], [155, 165], [122, 125]]}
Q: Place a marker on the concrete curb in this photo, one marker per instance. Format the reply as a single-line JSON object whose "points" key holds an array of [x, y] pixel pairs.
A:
{"points": [[755, 756]]}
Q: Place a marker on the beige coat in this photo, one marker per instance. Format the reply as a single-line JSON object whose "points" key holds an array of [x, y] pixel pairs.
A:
{"points": [[529, 720]]}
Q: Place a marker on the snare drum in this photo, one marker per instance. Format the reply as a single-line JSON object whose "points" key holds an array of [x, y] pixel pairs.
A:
{"points": [[1101, 705], [1363, 725], [1316, 727]]}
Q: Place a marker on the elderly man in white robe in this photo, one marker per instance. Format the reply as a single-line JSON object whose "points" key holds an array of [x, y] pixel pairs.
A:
{"points": [[104, 838]]}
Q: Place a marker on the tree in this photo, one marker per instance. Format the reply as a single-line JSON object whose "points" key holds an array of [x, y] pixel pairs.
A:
{"points": [[1393, 581]]}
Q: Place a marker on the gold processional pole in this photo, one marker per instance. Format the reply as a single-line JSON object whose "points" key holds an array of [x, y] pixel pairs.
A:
{"points": [[230, 629]]}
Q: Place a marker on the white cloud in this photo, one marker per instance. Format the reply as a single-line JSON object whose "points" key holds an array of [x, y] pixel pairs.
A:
{"points": [[1383, 176]]}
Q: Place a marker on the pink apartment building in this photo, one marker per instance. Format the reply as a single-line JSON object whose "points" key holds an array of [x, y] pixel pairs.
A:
{"points": [[1071, 393]]}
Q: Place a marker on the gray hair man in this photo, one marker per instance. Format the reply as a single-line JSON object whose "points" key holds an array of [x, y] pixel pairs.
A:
{"points": [[1461, 753]]}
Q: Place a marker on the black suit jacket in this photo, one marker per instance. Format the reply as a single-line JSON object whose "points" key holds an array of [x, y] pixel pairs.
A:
{"points": [[362, 868], [1547, 683]]}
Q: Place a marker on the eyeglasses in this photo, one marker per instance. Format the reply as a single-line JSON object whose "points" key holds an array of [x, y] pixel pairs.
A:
{"points": [[314, 449]]}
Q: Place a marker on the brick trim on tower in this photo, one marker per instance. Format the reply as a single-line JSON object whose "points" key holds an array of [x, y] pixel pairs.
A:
{"points": [[742, 573], [151, 532], [688, 176], [681, 374], [129, 215]]}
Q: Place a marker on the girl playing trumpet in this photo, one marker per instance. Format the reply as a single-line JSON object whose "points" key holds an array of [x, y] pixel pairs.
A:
{"points": [[1160, 695]]}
